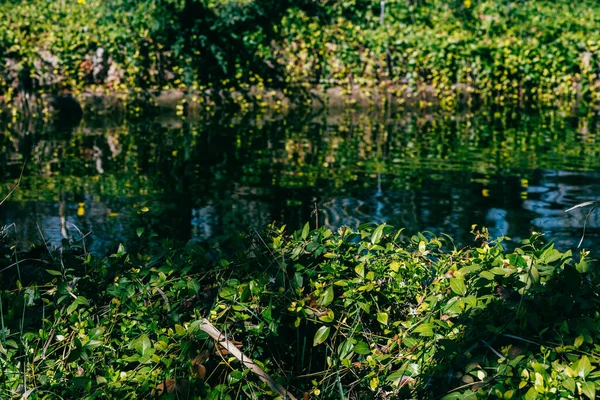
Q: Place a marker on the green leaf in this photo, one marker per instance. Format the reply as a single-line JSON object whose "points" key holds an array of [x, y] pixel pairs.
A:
{"points": [[227, 293], [143, 345], [487, 275], [72, 307], [133, 358], [468, 395], [362, 348], [327, 297], [345, 348], [121, 250], [469, 269], [458, 286], [453, 396], [180, 330], [424, 329], [327, 318], [531, 394], [54, 272], [517, 260], [569, 383], [321, 335], [584, 367], [582, 266], [80, 300], [305, 231], [193, 286], [578, 341], [498, 271], [92, 344], [366, 307], [360, 270], [589, 389], [377, 233], [299, 279], [139, 232], [382, 317], [535, 274]]}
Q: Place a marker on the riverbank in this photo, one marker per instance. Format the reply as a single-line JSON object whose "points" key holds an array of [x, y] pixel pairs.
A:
{"points": [[324, 315], [190, 103], [256, 52]]}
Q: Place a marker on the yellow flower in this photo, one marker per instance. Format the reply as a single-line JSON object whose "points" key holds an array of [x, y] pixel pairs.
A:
{"points": [[80, 1]]}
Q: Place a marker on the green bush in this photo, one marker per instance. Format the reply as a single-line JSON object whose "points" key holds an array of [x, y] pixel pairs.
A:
{"points": [[353, 314], [500, 51]]}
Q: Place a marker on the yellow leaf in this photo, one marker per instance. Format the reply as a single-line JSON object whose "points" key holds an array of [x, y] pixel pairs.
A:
{"points": [[374, 383]]}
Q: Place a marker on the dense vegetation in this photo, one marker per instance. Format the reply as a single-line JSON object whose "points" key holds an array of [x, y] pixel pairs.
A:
{"points": [[321, 313], [509, 51], [347, 314]]}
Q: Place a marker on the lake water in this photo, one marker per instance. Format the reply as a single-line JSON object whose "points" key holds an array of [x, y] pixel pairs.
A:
{"points": [[206, 178]]}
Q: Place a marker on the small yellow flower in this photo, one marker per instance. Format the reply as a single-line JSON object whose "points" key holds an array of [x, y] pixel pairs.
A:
{"points": [[80, 1]]}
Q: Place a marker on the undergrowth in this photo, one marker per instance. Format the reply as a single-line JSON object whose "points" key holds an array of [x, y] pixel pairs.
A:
{"points": [[366, 313]]}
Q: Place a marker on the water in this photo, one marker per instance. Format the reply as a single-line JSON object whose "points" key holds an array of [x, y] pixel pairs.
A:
{"points": [[207, 178]]}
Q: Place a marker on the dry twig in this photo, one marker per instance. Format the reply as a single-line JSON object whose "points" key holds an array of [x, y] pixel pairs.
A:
{"points": [[213, 332]]}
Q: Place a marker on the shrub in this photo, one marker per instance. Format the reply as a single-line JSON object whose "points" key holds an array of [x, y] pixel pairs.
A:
{"points": [[360, 314]]}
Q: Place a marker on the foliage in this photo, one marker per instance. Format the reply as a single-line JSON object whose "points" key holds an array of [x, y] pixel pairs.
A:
{"points": [[353, 314], [497, 50]]}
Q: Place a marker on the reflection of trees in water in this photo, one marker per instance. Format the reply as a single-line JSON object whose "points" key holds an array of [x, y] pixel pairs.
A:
{"points": [[58, 190], [439, 173], [58, 220]]}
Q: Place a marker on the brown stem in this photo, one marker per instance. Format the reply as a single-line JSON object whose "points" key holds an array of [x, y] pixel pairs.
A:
{"points": [[213, 332]]}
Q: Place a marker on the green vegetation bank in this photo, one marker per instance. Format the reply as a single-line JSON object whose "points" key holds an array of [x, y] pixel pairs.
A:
{"points": [[355, 314], [445, 51]]}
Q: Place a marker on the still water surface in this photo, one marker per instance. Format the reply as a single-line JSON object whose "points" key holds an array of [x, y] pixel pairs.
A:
{"points": [[207, 178]]}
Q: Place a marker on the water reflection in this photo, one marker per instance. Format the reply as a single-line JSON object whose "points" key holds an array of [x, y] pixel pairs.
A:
{"points": [[204, 179]]}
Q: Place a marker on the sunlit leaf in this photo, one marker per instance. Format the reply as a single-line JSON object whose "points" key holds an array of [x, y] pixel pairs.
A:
{"points": [[321, 335], [377, 233], [458, 286]]}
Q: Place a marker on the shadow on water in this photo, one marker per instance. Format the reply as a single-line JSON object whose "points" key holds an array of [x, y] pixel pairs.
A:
{"points": [[204, 179]]}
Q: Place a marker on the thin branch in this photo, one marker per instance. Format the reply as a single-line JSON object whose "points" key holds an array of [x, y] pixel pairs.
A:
{"points": [[596, 203], [587, 203], [43, 239], [23, 260], [81, 236], [16, 185], [526, 340], [492, 349], [213, 332], [585, 224]]}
